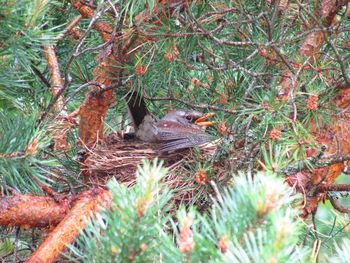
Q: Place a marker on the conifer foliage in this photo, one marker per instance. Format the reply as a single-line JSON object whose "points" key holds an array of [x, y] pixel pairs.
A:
{"points": [[250, 221], [272, 186]]}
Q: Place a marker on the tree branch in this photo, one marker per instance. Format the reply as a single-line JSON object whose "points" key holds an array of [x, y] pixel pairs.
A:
{"points": [[338, 206], [324, 161]]}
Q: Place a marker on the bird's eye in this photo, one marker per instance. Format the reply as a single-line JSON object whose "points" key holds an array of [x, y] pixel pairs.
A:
{"points": [[189, 118]]}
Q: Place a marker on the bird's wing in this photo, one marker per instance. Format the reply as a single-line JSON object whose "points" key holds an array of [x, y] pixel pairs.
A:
{"points": [[181, 144], [174, 137]]}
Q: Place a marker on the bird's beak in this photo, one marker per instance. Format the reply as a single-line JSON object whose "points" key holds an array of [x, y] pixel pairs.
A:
{"points": [[202, 121]]}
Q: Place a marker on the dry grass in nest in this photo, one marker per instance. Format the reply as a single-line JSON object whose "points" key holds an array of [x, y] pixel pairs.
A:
{"points": [[119, 158]]}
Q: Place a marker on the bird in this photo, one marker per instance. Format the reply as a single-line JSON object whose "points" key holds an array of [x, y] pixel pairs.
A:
{"points": [[178, 129]]}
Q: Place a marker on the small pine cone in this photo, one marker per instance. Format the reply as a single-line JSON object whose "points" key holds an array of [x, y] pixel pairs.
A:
{"points": [[301, 142], [223, 99], [230, 84], [172, 54], [223, 243], [209, 77], [262, 52], [265, 105], [169, 56], [186, 243], [143, 247], [140, 70], [141, 206], [201, 177], [222, 129], [275, 135], [33, 147], [186, 246], [312, 103], [175, 50], [195, 82]]}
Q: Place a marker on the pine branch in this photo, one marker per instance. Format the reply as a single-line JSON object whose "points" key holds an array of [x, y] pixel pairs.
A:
{"points": [[69, 28], [190, 104], [338, 206], [316, 163], [70, 226], [29, 211]]}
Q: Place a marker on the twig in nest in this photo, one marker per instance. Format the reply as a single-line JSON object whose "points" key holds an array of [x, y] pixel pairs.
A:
{"points": [[120, 160]]}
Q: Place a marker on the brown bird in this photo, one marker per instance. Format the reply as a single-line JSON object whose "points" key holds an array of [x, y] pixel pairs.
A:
{"points": [[178, 129]]}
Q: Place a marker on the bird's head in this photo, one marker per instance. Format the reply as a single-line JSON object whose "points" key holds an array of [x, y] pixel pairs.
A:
{"points": [[188, 117]]}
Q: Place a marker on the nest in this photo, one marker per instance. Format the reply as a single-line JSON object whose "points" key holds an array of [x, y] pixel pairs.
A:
{"points": [[119, 158]]}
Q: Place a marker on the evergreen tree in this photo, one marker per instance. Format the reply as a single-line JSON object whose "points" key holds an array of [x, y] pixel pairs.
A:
{"points": [[275, 72]]}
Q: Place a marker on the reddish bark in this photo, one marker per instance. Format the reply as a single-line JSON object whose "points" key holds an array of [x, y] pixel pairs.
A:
{"points": [[29, 211], [84, 10], [71, 225], [54, 69], [94, 108], [92, 113], [60, 139], [70, 28]]}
